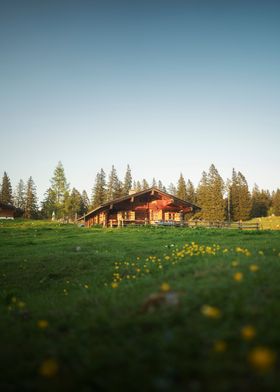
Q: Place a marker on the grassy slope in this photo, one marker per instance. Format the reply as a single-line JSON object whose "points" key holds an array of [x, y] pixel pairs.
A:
{"points": [[98, 335], [268, 222]]}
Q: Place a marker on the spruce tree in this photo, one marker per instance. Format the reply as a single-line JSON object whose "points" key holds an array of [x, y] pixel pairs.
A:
{"points": [[138, 186], [239, 197], [217, 205], [19, 195], [190, 192], [49, 203], [276, 202], [30, 205], [127, 184], [172, 190], [203, 196], [85, 203], [6, 195], [154, 183], [114, 189], [60, 187], [99, 192], [181, 188], [145, 184], [261, 202], [74, 205]]}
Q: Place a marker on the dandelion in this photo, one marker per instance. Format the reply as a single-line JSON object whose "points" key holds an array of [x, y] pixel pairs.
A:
{"points": [[238, 276], [234, 263], [42, 324], [49, 368], [261, 252], [165, 287], [248, 332], [114, 285], [210, 311], [220, 346], [254, 267], [86, 286], [262, 358]]}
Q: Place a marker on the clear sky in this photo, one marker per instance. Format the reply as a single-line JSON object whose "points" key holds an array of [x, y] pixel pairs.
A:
{"points": [[167, 86]]}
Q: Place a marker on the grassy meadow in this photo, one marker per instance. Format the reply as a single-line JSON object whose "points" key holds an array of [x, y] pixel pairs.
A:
{"points": [[138, 309]]}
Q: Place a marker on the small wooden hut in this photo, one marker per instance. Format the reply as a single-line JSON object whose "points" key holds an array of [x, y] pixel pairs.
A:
{"points": [[151, 206], [8, 211]]}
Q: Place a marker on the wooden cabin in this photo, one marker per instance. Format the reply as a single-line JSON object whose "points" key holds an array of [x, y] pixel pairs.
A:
{"points": [[151, 206], [7, 211]]}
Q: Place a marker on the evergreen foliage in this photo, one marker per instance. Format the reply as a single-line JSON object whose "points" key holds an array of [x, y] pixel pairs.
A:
{"points": [[85, 202], [127, 184], [74, 205], [145, 184], [114, 187], [30, 205], [49, 203], [261, 202], [276, 202], [19, 195], [181, 188], [239, 197], [190, 192], [6, 194], [172, 190], [99, 192], [60, 188]]}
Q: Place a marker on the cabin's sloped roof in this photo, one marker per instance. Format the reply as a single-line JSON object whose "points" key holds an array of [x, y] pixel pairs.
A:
{"points": [[137, 194]]}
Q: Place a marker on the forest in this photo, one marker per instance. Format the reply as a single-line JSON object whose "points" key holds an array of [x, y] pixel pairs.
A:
{"points": [[219, 199]]}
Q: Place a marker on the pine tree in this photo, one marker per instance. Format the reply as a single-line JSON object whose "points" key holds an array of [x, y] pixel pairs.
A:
{"points": [[261, 202], [85, 203], [203, 196], [74, 205], [49, 203], [6, 195], [114, 189], [60, 187], [138, 186], [19, 195], [30, 205], [239, 197], [154, 183], [99, 192], [181, 188], [276, 202], [160, 186], [190, 192], [172, 190], [145, 184], [127, 184], [217, 205]]}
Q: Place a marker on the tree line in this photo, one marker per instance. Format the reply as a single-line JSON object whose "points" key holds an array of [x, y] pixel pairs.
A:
{"points": [[218, 199]]}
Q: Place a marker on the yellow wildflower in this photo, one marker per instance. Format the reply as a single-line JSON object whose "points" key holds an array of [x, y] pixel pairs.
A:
{"points": [[262, 358], [42, 324], [49, 368], [86, 286], [114, 285], [248, 332], [165, 287], [254, 267], [234, 263], [238, 276], [220, 346], [210, 311]]}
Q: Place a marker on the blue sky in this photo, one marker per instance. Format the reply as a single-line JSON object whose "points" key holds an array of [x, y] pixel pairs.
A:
{"points": [[166, 86]]}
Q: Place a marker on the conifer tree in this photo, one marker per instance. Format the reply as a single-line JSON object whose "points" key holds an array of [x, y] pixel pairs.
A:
{"points": [[160, 186], [60, 188], [145, 184], [6, 195], [190, 192], [154, 183], [85, 203], [30, 205], [181, 188], [261, 202], [49, 203], [19, 195], [74, 205], [114, 189], [99, 192], [172, 190], [203, 196], [276, 202], [127, 184], [239, 197], [217, 205]]}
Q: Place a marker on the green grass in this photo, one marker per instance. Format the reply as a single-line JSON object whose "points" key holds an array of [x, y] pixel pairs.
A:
{"points": [[103, 338], [268, 222]]}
